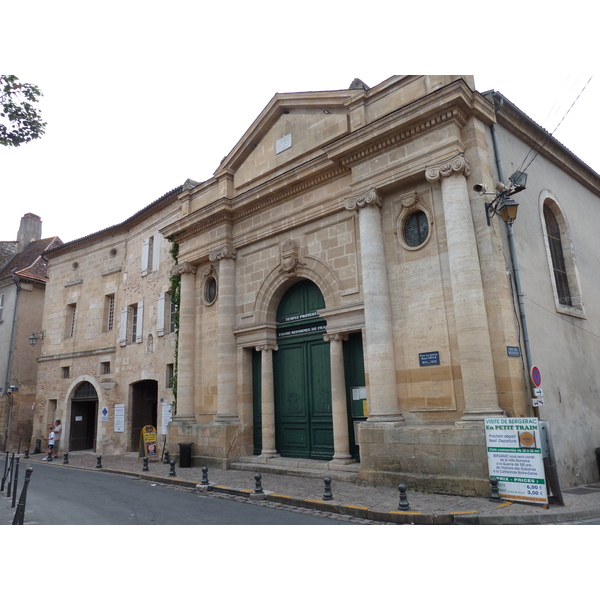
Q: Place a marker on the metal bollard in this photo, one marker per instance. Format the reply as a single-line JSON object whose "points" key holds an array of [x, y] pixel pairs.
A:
{"points": [[257, 484], [172, 469], [204, 480], [16, 483], [5, 472], [327, 495], [49, 458], [26, 453], [495, 495], [66, 459], [11, 472], [145, 461], [166, 459], [403, 504], [98, 462], [19, 517]]}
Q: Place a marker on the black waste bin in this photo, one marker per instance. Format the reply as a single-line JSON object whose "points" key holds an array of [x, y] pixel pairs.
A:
{"points": [[185, 455]]}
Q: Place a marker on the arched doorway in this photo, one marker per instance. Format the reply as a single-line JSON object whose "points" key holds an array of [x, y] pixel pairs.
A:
{"points": [[302, 379], [144, 402], [84, 417]]}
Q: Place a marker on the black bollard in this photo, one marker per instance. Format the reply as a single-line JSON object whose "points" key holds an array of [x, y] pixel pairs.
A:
{"points": [[257, 484], [204, 480], [145, 461], [166, 459], [5, 472], [403, 504], [172, 469], [26, 453], [98, 462], [19, 517], [66, 459], [495, 495], [14, 499], [327, 495], [49, 456], [11, 472]]}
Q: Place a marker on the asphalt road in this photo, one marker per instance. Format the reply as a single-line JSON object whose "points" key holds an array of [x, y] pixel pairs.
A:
{"points": [[67, 496]]}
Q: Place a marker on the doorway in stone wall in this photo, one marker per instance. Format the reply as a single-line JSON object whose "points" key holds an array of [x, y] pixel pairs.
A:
{"points": [[302, 380], [144, 402], [84, 418]]}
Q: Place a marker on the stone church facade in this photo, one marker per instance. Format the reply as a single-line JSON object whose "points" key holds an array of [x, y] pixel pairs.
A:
{"points": [[343, 303]]}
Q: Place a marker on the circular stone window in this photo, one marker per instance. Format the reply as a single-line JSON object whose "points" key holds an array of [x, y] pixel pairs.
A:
{"points": [[416, 229], [210, 290]]}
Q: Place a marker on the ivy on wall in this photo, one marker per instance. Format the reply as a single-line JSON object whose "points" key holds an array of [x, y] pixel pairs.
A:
{"points": [[174, 293]]}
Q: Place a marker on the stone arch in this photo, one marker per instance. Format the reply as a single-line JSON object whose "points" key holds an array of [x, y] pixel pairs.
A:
{"points": [[68, 434], [277, 283]]}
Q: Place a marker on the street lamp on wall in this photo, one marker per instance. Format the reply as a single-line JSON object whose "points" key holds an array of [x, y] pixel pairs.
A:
{"points": [[33, 338], [503, 204]]}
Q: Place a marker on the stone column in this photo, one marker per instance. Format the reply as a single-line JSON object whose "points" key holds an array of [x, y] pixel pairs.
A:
{"points": [[472, 328], [339, 410], [267, 404], [187, 342], [226, 377], [383, 392]]}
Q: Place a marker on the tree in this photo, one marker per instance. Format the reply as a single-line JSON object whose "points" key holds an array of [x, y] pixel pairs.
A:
{"points": [[20, 121]]}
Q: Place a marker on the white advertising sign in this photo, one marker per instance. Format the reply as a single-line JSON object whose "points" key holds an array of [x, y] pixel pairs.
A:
{"points": [[119, 417], [167, 416], [515, 458]]}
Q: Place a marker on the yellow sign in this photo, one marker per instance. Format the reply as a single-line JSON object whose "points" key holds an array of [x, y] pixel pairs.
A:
{"points": [[148, 442]]}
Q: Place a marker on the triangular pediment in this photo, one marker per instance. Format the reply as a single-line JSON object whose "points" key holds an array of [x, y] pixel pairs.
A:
{"points": [[292, 127]]}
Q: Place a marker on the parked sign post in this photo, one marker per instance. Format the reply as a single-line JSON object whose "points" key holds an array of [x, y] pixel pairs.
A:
{"points": [[514, 452]]}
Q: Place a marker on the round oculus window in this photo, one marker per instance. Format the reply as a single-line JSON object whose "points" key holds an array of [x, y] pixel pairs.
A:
{"points": [[416, 229], [210, 290]]}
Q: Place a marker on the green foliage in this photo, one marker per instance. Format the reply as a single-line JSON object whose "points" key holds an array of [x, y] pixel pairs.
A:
{"points": [[175, 293], [20, 121]]}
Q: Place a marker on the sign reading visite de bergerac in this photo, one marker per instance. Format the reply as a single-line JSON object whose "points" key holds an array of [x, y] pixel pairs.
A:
{"points": [[515, 458]]}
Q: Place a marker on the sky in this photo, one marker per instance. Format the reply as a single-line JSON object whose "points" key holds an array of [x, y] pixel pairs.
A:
{"points": [[140, 96]]}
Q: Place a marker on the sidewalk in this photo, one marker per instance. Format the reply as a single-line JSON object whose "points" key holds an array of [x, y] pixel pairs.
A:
{"points": [[364, 501]]}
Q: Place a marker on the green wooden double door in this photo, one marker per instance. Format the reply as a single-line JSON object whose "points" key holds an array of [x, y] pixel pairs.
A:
{"points": [[302, 378]]}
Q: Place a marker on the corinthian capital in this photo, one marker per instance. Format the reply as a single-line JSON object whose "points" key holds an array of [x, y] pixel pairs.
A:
{"points": [[184, 267], [456, 164], [224, 252], [370, 197]]}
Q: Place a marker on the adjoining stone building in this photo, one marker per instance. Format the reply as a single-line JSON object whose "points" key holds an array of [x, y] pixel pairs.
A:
{"points": [[23, 280], [344, 304], [108, 354]]}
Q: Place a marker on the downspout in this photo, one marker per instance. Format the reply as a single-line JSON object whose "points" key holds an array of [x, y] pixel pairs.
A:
{"points": [[10, 357], [498, 103]]}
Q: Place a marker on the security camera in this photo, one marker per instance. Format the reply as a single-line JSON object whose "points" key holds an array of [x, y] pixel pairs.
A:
{"points": [[480, 188]]}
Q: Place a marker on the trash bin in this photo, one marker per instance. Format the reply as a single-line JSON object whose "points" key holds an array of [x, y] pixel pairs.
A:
{"points": [[185, 455], [38, 446]]}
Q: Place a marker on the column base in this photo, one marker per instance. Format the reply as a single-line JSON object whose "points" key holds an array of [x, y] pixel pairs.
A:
{"points": [[340, 460], [265, 456], [184, 419], [386, 418], [226, 418], [476, 417]]}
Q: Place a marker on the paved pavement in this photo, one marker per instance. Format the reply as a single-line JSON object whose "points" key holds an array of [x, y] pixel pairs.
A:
{"points": [[351, 500]]}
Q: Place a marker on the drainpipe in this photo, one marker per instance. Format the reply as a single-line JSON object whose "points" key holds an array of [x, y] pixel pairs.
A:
{"points": [[498, 103]]}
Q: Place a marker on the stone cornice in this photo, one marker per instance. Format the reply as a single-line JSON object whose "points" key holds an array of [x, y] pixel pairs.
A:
{"points": [[110, 350], [455, 102]]}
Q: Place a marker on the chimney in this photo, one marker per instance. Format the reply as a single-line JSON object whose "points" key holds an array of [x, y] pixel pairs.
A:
{"points": [[29, 231]]}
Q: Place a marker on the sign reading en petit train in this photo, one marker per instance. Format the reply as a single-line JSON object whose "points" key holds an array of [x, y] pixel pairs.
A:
{"points": [[515, 458]]}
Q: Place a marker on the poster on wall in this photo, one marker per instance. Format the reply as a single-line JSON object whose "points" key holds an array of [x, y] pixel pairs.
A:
{"points": [[119, 417], [167, 417], [515, 458]]}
